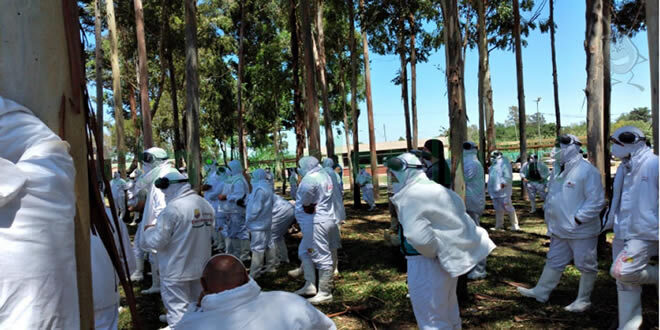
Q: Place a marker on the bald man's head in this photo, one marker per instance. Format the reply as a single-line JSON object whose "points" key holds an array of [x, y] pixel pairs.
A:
{"points": [[223, 272]]}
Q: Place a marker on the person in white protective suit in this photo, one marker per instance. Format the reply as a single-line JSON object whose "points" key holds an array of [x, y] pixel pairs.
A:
{"points": [[182, 236], [154, 162], [270, 178], [534, 175], [38, 287], [475, 196], [133, 197], [500, 184], [340, 172], [439, 239], [293, 182], [259, 220], [118, 188], [235, 194], [633, 214], [572, 209], [105, 283], [316, 216], [222, 212], [232, 300], [367, 188], [283, 218], [213, 185], [340, 212]]}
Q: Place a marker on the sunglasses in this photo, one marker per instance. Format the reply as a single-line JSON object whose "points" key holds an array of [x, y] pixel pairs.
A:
{"points": [[163, 183], [468, 146], [148, 158], [627, 138], [398, 164]]}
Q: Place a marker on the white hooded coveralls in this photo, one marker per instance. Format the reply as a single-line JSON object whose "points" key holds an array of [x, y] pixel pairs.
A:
{"points": [[365, 181], [338, 204], [182, 237], [38, 286], [236, 189], [315, 188], [535, 186], [293, 182], [435, 223], [259, 212], [475, 196], [247, 307], [118, 188], [500, 173], [574, 193]]}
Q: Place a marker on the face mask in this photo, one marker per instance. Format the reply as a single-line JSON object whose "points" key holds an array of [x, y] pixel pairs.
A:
{"points": [[621, 152]]}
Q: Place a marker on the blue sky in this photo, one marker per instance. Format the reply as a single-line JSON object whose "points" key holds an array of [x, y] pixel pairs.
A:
{"points": [[537, 71]]}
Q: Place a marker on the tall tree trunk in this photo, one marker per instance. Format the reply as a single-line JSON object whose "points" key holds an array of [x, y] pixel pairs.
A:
{"points": [[116, 88], [311, 102], [179, 150], [455, 92], [485, 90], [98, 61], [404, 82], [522, 118], [192, 95], [354, 110], [295, 68], [370, 107], [652, 37], [555, 83], [413, 79], [132, 103], [607, 92], [241, 107], [595, 85], [327, 120], [144, 80], [346, 130]]}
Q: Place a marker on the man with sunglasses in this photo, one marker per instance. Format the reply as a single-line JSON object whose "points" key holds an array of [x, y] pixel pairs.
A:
{"points": [[439, 239], [572, 208], [155, 165], [182, 237], [634, 215], [534, 175]]}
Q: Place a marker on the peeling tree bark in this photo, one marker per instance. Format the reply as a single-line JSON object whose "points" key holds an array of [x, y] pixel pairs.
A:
{"points": [[144, 80], [98, 61], [354, 111], [522, 118], [555, 83], [370, 107], [295, 68], [327, 120], [192, 95], [116, 89], [413, 79], [311, 101], [404, 82]]}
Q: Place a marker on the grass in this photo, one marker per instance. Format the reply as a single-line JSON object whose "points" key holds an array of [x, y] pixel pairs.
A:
{"points": [[372, 285]]}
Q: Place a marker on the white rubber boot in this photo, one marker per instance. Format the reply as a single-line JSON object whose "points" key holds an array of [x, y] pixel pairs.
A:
{"points": [[309, 289], [272, 260], [630, 309], [532, 201], [649, 275], [295, 273], [583, 300], [335, 263], [155, 280], [137, 275], [513, 218], [548, 281], [499, 220], [257, 264], [282, 251], [325, 288]]}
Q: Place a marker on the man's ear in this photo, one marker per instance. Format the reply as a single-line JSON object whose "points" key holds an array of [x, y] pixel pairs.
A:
{"points": [[204, 285]]}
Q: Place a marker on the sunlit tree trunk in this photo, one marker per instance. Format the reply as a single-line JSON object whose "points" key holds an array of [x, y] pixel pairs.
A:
{"points": [[239, 81], [595, 85], [192, 95], [607, 92], [370, 107], [522, 118], [455, 92], [311, 101], [178, 145], [413, 79], [116, 89], [327, 120], [346, 129], [404, 81], [299, 124], [555, 83], [485, 90], [354, 110], [652, 35], [143, 73], [98, 61]]}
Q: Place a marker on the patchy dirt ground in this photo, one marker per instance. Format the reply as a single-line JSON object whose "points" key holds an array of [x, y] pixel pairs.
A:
{"points": [[371, 290]]}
